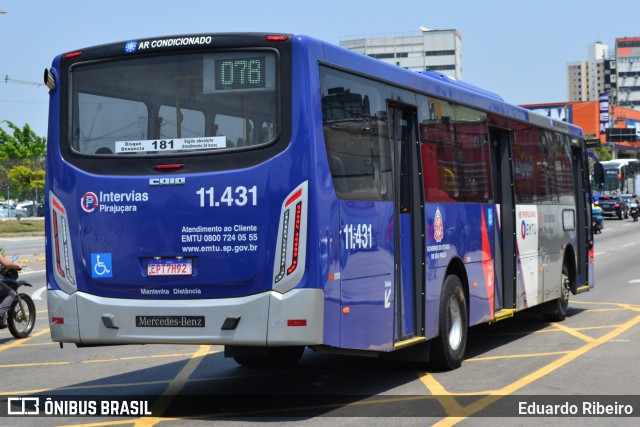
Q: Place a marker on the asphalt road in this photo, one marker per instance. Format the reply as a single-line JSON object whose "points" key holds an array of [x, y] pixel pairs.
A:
{"points": [[590, 357]]}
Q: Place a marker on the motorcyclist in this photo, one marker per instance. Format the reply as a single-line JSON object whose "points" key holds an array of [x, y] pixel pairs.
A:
{"points": [[7, 295], [634, 207]]}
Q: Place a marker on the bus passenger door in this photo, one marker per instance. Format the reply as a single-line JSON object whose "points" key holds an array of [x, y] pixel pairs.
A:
{"points": [[505, 251], [409, 232], [583, 217]]}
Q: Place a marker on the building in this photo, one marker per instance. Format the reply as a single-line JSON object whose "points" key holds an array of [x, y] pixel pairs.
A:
{"points": [[577, 81], [628, 67], [619, 76], [586, 79], [434, 50]]}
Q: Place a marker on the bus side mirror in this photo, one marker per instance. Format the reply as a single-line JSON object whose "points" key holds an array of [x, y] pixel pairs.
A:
{"points": [[598, 175]]}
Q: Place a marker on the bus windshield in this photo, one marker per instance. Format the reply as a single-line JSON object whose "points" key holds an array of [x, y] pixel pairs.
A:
{"points": [[184, 103]]}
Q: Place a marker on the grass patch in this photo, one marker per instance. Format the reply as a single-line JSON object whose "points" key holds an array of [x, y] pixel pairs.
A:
{"points": [[13, 226]]}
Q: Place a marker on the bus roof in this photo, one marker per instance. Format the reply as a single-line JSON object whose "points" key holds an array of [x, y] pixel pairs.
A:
{"points": [[439, 85], [430, 83], [616, 163]]}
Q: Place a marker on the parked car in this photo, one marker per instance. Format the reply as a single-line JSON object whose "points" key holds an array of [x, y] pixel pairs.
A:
{"points": [[28, 206], [614, 206], [8, 211]]}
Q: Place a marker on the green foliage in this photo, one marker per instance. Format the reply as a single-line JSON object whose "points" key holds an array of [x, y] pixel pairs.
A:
{"points": [[24, 144], [22, 178], [22, 161], [602, 152]]}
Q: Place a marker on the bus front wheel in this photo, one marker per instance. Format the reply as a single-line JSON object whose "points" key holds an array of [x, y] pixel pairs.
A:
{"points": [[448, 348]]}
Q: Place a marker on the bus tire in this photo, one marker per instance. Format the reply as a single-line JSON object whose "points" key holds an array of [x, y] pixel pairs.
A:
{"points": [[277, 357], [448, 348], [556, 310]]}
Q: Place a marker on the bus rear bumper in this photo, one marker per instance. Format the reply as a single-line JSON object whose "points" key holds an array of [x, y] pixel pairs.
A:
{"points": [[266, 319]]}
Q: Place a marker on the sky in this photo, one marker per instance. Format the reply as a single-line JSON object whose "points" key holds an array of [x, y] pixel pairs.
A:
{"points": [[518, 49]]}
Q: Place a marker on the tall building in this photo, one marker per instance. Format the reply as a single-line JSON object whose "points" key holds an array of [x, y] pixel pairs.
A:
{"points": [[586, 79], [628, 65], [434, 50], [597, 53], [577, 81]]}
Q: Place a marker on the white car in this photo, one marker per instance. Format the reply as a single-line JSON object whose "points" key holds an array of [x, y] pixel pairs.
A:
{"points": [[8, 211]]}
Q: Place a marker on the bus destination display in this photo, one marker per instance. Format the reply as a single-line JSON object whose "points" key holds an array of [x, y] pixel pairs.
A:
{"points": [[240, 73]]}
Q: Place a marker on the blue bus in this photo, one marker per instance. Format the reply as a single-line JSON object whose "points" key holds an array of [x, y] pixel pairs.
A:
{"points": [[273, 192]]}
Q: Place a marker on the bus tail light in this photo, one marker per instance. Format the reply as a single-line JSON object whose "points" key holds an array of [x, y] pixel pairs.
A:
{"points": [[291, 246], [276, 38], [63, 266], [73, 54]]}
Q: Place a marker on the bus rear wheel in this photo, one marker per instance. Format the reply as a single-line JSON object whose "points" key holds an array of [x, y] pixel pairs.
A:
{"points": [[448, 349], [556, 310]]}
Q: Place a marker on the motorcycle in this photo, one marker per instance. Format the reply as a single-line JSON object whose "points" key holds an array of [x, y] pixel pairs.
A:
{"points": [[21, 317], [633, 211]]}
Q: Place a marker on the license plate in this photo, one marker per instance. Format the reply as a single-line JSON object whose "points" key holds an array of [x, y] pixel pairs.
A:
{"points": [[169, 267]]}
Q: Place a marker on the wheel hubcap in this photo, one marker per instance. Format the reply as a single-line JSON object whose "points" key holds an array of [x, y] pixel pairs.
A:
{"points": [[455, 323]]}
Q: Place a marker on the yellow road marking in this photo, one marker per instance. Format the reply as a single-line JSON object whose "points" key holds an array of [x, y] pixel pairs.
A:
{"points": [[176, 385], [573, 331], [516, 356], [447, 399], [495, 395], [147, 357], [173, 389], [117, 423], [117, 359], [31, 365], [17, 343]]}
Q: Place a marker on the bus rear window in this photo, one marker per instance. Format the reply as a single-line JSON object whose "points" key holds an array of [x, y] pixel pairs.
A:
{"points": [[183, 104]]}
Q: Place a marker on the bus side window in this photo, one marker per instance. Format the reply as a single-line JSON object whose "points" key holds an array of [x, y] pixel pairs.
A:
{"points": [[357, 143], [437, 149], [340, 181]]}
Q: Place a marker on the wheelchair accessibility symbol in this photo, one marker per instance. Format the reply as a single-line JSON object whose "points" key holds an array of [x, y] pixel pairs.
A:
{"points": [[101, 265]]}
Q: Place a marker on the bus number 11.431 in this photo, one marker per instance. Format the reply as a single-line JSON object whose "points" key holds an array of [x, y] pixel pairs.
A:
{"points": [[358, 236], [239, 196]]}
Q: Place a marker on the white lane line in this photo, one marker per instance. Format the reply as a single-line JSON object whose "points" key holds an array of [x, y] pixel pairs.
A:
{"points": [[37, 295]]}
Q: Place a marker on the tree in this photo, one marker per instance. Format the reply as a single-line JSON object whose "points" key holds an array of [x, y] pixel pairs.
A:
{"points": [[23, 179], [602, 152], [22, 148]]}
